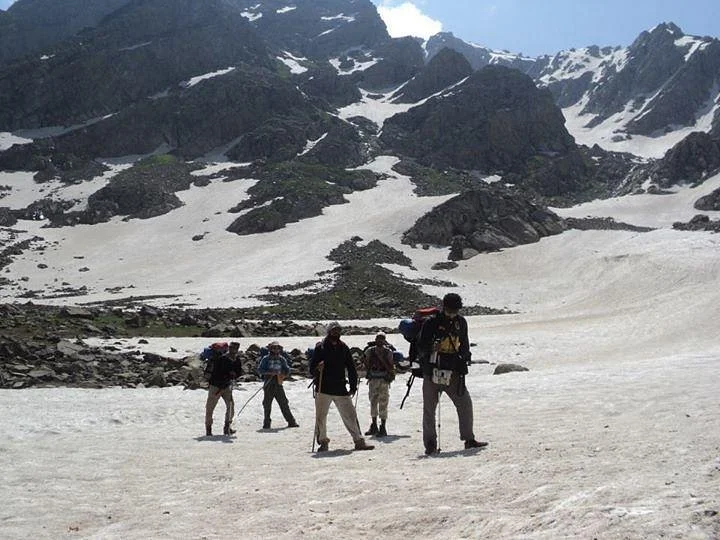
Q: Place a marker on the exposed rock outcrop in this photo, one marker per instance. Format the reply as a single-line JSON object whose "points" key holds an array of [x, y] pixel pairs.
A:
{"points": [[481, 221]]}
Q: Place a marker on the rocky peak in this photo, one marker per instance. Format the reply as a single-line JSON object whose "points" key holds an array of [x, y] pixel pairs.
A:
{"points": [[445, 69], [495, 120]]}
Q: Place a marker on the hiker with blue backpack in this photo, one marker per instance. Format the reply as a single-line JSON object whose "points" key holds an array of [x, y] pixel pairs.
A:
{"points": [[380, 372], [222, 367], [274, 368], [332, 367], [443, 350]]}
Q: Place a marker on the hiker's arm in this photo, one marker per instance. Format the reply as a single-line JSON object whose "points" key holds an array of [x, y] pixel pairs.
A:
{"points": [[315, 361], [262, 365], [465, 353], [351, 371], [285, 369]]}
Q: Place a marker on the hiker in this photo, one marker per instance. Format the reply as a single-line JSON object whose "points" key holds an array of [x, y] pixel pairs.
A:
{"points": [[380, 370], [444, 353], [224, 367], [273, 368], [331, 363]]}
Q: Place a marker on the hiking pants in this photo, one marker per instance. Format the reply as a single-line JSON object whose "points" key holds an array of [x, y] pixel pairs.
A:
{"points": [[347, 412], [214, 395], [460, 397], [379, 393], [274, 391]]}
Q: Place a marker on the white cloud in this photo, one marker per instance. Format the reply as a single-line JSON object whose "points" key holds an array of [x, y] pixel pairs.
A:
{"points": [[406, 19]]}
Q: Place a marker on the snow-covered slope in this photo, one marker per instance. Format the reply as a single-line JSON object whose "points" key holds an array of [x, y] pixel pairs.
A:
{"points": [[611, 434]]}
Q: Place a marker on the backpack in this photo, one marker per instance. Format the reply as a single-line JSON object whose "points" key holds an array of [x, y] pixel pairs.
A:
{"points": [[410, 330], [210, 354]]}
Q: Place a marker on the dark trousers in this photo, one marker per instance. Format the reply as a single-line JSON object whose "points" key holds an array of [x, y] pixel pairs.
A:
{"points": [[460, 397], [275, 391]]}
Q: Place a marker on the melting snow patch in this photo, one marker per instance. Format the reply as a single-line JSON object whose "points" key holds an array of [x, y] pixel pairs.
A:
{"points": [[46, 57], [312, 144], [138, 46], [286, 9], [326, 32], [295, 67], [341, 16], [196, 80], [8, 139], [252, 17]]}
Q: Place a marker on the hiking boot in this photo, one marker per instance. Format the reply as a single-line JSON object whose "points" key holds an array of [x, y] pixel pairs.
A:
{"points": [[323, 447], [373, 429], [472, 443], [293, 424], [266, 424], [382, 432], [208, 431], [360, 444], [227, 430], [431, 448]]}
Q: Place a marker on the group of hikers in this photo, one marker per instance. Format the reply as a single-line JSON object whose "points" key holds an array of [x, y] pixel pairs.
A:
{"points": [[439, 345]]}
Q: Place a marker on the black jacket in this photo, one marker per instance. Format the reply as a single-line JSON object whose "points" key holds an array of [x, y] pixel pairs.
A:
{"points": [[437, 328], [338, 363], [224, 370]]}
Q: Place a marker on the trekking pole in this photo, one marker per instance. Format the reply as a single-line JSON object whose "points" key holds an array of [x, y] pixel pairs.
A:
{"points": [[319, 387], [251, 397], [439, 433], [410, 382]]}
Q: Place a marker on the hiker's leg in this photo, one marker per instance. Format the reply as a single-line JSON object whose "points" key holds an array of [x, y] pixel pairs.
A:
{"points": [[430, 401], [322, 406], [229, 404], [383, 399], [284, 405], [268, 396], [373, 396], [212, 399], [348, 414], [463, 403]]}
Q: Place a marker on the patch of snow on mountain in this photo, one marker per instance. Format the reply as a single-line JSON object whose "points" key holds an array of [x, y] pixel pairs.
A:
{"points": [[56, 131], [286, 9], [293, 64], [312, 144], [357, 66], [252, 17], [47, 57], [168, 262], [341, 16], [200, 78], [611, 134], [326, 32], [648, 210], [8, 139], [138, 46], [692, 44]]}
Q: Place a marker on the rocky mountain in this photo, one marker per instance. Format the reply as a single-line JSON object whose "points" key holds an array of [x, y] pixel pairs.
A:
{"points": [[32, 26], [478, 56], [265, 116]]}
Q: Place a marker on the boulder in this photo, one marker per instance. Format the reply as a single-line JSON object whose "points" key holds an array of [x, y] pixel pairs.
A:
{"points": [[500, 369]]}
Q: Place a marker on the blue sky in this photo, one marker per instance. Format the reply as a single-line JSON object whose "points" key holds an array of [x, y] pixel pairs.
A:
{"points": [[536, 27]]}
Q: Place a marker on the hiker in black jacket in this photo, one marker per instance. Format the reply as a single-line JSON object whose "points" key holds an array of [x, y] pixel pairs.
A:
{"points": [[330, 365], [444, 353], [226, 366]]}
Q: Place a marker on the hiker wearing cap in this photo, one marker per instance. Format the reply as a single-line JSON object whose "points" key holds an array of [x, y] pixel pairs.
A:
{"points": [[224, 367], [380, 370], [331, 364], [273, 368], [444, 353]]}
